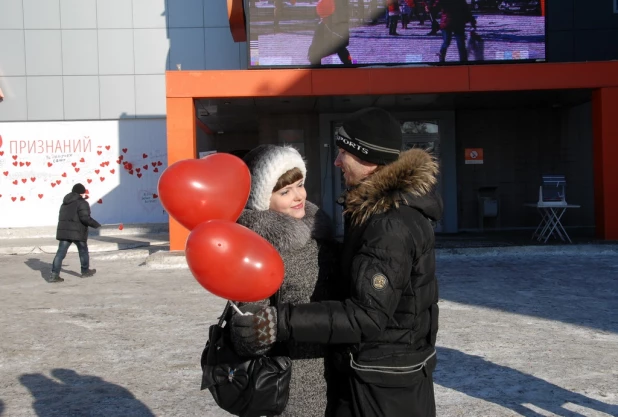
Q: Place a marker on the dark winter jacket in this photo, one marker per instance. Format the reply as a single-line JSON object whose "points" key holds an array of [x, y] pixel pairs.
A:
{"points": [[74, 219], [387, 312], [306, 247], [455, 14]]}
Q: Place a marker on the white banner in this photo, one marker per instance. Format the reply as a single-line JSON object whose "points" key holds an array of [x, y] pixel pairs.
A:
{"points": [[119, 162]]}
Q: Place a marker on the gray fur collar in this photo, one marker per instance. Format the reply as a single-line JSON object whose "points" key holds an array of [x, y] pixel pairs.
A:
{"points": [[286, 233]]}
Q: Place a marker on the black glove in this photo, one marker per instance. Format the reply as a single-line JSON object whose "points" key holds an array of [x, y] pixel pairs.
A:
{"points": [[254, 335]]}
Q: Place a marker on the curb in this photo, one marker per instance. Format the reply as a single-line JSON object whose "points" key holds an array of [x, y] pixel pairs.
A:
{"points": [[166, 260], [99, 247], [176, 260], [579, 250]]}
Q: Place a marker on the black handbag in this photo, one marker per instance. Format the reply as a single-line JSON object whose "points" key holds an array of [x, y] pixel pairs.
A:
{"points": [[245, 387]]}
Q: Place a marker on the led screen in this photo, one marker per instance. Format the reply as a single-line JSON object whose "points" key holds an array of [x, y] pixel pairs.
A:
{"points": [[313, 33]]}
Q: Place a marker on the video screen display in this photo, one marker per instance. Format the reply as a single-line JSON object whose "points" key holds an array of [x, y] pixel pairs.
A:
{"points": [[314, 33]]}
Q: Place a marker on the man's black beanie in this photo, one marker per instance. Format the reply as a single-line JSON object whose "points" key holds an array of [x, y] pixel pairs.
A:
{"points": [[79, 189], [371, 134]]}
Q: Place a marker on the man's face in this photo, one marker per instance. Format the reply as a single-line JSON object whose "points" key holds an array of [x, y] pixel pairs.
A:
{"points": [[354, 169]]}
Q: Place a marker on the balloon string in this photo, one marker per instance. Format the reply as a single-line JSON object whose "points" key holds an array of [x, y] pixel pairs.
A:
{"points": [[235, 307]]}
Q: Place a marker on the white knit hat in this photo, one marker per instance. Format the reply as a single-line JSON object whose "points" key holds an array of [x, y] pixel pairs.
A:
{"points": [[267, 163]]}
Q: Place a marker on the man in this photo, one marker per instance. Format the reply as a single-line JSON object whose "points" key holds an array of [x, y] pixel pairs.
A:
{"points": [[73, 222], [455, 15], [382, 324], [332, 34]]}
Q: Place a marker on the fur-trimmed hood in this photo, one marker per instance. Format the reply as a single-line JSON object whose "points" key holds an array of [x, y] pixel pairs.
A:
{"points": [[287, 233], [408, 181]]}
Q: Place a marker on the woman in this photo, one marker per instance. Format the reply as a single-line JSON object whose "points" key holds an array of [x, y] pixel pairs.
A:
{"points": [[278, 211]]}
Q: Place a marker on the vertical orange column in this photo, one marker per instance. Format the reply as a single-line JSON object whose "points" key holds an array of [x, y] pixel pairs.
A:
{"points": [[181, 144], [542, 7], [605, 150]]}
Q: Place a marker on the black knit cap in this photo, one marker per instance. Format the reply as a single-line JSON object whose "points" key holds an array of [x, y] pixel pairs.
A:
{"points": [[79, 189], [371, 134]]}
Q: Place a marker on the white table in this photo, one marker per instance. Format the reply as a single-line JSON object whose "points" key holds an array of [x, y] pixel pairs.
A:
{"points": [[550, 225]]}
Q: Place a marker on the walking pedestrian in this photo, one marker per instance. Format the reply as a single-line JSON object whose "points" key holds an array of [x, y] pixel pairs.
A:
{"points": [[73, 222]]}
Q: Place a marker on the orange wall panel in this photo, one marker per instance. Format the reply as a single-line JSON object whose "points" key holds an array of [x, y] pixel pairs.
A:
{"points": [[605, 149], [543, 76], [238, 83], [181, 144]]}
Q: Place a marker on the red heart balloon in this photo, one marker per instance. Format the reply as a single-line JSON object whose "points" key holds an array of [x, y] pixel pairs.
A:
{"points": [[233, 262], [212, 188]]}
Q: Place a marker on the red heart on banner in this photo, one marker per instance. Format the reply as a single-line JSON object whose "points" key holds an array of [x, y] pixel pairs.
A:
{"points": [[100, 201], [124, 150], [13, 198], [15, 182], [74, 164], [64, 174], [82, 160], [107, 147], [6, 173], [22, 199], [49, 164], [40, 195], [89, 180], [33, 179]]}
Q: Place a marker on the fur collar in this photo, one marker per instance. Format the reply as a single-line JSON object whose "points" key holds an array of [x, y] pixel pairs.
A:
{"points": [[286, 233], [408, 180]]}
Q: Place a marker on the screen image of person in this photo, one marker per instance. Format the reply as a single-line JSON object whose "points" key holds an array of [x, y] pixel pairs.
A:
{"points": [[314, 33]]}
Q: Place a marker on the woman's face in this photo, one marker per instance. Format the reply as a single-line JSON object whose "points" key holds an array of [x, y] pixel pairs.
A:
{"points": [[290, 200]]}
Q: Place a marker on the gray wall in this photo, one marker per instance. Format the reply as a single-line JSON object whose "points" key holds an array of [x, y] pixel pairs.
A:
{"points": [[519, 146], [581, 30], [105, 59]]}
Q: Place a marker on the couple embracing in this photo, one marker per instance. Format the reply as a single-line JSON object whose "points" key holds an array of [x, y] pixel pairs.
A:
{"points": [[358, 319]]}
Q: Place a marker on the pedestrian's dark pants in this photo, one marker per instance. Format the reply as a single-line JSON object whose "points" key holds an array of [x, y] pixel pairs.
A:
{"points": [[63, 247], [460, 38]]}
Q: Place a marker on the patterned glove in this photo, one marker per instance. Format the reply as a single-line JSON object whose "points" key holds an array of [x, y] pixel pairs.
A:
{"points": [[254, 335]]}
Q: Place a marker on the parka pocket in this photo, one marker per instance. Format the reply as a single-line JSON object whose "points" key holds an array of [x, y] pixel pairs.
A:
{"points": [[393, 385], [400, 370]]}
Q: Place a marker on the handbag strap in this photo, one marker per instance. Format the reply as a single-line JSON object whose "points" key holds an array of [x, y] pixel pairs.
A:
{"points": [[274, 301]]}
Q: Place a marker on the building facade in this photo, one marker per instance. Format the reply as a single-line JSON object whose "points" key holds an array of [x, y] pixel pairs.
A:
{"points": [[83, 85], [150, 82]]}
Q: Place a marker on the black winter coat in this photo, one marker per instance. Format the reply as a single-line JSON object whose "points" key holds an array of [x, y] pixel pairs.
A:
{"points": [[74, 219], [386, 313]]}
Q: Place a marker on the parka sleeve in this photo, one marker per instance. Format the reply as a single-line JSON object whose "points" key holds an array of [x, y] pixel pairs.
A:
{"points": [[83, 211], [380, 272]]}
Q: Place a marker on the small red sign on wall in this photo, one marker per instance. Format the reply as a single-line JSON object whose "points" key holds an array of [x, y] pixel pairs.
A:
{"points": [[474, 155]]}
